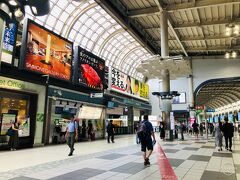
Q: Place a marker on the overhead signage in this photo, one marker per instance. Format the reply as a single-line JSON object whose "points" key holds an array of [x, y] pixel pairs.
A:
{"points": [[9, 39], [96, 95], [125, 84], [11, 83], [46, 52], [90, 69], [181, 99], [210, 110]]}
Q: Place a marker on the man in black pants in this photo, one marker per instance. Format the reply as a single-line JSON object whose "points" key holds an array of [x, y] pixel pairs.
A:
{"points": [[145, 135], [110, 131], [228, 131]]}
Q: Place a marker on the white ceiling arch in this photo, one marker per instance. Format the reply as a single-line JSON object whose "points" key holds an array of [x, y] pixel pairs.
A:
{"points": [[87, 24]]}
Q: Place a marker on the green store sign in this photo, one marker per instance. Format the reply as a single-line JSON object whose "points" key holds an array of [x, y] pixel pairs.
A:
{"points": [[11, 83]]}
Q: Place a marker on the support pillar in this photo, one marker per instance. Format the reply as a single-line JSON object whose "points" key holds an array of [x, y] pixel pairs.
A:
{"points": [[166, 102]]}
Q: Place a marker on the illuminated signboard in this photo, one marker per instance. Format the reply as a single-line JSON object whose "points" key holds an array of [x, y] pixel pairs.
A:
{"points": [[9, 40], [89, 69], [123, 83], [181, 99], [46, 52]]}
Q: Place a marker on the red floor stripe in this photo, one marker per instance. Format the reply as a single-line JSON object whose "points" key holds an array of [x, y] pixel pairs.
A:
{"points": [[165, 167]]}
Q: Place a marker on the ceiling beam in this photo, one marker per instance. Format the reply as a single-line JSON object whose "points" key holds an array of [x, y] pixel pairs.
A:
{"points": [[206, 23], [176, 34], [143, 12], [214, 48], [199, 24], [201, 38], [198, 4]]}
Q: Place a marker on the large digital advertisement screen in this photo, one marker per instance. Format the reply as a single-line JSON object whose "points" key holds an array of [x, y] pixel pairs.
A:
{"points": [[9, 40], [125, 84], [46, 53], [90, 69]]}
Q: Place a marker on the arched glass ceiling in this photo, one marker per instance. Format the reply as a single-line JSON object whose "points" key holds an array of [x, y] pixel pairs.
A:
{"points": [[86, 24]]}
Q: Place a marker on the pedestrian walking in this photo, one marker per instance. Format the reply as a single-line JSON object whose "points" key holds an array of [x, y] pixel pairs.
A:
{"points": [[228, 131], [110, 131], [182, 129], [71, 133], [218, 135], [195, 126], [145, 135]]}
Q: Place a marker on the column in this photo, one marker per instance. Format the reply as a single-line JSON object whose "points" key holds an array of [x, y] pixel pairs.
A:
{"points": [[166, 103]]}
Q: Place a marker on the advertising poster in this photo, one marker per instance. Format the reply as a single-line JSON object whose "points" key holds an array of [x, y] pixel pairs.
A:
{"points": [[24, 128], [8, 43], [7, 120], [91, 70], [48, 53], [125, 84]]}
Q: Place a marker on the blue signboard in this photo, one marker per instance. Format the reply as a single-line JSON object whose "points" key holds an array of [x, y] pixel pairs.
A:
{"points": [[9, 43], [210, 110]]}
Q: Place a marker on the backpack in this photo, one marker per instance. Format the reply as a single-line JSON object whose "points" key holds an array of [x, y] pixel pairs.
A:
{"points": [[142, 133]]}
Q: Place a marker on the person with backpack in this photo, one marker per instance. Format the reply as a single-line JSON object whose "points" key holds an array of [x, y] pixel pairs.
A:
{"points": [[145, 135], [195, 126], [71, 133]]}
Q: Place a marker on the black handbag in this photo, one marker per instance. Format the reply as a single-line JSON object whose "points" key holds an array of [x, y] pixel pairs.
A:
{"points": [[10, 131]]}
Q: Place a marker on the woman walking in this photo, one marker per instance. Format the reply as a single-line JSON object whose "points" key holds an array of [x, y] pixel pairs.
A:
{"points": [[218, 135]]}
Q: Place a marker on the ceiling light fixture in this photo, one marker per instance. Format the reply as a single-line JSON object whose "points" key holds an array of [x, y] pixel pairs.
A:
{"points": [[232, 54], [227, 55], [13, 3], [232, 29]]}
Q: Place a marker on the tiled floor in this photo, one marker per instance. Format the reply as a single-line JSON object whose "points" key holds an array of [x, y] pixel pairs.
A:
{"points": [[191, 159]]}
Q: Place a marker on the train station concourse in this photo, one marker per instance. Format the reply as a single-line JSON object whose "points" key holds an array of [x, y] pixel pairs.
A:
{"points": [[119, 89]]}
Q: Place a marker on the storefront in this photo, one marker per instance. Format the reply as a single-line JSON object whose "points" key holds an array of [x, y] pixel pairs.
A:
{"points": [[125, 113], [89, 114], [120, 120], [21, 102]]}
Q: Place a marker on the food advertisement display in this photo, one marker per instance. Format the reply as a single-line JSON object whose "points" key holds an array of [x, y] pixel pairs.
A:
{"points": [[7, 120], [47, 53], [9, 39], [90, 70], [125, 84]]}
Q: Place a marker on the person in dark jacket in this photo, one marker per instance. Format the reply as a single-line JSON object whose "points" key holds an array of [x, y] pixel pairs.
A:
{"points": [[110, 131], [162, 131], [228, 131]]}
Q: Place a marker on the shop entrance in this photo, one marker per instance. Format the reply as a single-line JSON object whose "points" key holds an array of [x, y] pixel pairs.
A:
{"points": [[21, 108]]}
